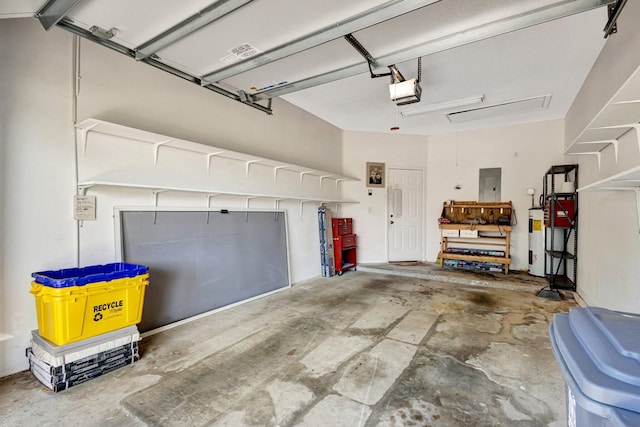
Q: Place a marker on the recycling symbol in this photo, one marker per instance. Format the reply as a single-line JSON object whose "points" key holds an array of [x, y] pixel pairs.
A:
{"points": [[97, 317]]}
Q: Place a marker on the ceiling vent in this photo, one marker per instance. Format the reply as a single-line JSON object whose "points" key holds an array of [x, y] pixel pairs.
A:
{"points": [[512, 107]]}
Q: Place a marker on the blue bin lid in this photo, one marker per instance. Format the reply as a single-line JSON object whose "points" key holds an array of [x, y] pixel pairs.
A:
{"points": [[618, 330], [612, 415], [91, 274], [599, 348]]}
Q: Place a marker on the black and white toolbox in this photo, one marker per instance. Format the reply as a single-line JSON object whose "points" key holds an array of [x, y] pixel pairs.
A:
{"points": [[59, 367]]}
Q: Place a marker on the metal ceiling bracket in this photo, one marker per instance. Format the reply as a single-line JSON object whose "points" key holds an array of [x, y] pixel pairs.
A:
{"points": [[614, 13], [376, 15], [371, 62], [53, 11], [193, 23], [482, 32], [101, 33], [243, 96]]}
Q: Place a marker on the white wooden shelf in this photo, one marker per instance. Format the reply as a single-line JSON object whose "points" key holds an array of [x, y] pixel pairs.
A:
{"points": [[617, 117], [159, 141], [501, 240], [209, 193]]}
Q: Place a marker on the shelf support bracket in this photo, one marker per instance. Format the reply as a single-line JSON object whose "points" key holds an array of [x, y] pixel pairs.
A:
{"points": [[249, 163], [276, 205], [247, 201], [338, 181], [275, 172], [155, 194], [613, 142], [156, 149], [209, 196], [595, 153], [209, 156], [82, 189], [302, 174], [322, 177], [155, 203], [84, 134], [635, 126]]}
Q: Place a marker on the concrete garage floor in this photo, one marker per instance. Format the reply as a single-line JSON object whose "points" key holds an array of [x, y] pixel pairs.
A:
{"points": [[363, 349]]}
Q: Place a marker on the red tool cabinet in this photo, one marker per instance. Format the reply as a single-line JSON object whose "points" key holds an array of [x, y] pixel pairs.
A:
{"points": [[344, 244]]}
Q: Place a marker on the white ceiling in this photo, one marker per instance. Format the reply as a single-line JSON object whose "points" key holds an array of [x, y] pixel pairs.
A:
{"points": [[548, 59]]}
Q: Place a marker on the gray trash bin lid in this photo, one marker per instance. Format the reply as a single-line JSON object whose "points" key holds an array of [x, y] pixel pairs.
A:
{"points": [[601, 349]]}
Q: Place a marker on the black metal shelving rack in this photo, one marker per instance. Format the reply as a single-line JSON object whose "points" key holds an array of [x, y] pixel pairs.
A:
{"points": [[561, 227]]}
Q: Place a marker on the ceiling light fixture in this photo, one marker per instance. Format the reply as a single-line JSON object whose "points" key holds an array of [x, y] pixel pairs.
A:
{"points": [[443, 105], [527, 105]]}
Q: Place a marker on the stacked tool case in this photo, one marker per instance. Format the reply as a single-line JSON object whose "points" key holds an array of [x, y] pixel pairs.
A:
{"points": [[344, 244], [62, 367]]}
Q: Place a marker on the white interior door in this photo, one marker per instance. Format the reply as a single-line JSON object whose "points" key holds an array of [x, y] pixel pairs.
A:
{"points": [[405, 217]]}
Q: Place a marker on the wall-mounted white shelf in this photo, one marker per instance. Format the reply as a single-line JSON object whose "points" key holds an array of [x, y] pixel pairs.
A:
{"points": [[618, 116], [209, 193], [209, 152], [628, 180]]}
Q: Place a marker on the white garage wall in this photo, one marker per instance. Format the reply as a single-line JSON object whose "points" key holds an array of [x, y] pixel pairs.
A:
{"points": [[524, 152], [370, 215], [36, 138], [609, 237], [38, 163], [117, 89], [609, 233]]}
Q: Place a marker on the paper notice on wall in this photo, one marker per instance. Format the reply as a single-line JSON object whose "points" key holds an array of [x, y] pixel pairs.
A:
{"points": [[84, 208]]}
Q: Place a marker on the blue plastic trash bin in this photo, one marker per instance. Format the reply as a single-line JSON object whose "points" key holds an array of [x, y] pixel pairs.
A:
{"points": [[598, 351]]}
